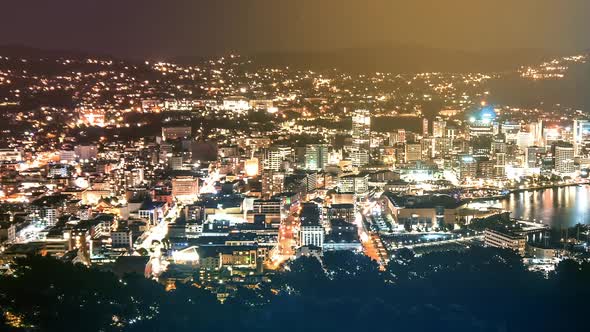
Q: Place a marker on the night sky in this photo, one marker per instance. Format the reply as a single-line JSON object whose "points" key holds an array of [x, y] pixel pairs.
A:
{"points": [[163, 28]]}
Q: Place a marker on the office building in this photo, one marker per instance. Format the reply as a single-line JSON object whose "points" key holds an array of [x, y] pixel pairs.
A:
{"points": [[581, 132], [505, 240], [425, 131], [354, 183], [413, 152], [564, 159], [185, 188], [174, 133], [439, 127], [316, 157], [361, 137]]}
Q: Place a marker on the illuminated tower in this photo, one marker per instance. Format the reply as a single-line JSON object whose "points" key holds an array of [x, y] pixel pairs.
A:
{"points": [[316, 156], [361, 137], [564, 159], [425, 127], [439, 127]]}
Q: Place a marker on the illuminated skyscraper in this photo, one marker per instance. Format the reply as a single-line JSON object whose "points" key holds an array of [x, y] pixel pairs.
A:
{"points": [[482, 124], [534, 156], [581, 136], [500, 164], [536, 128], [439, 127], [397, 137], [425, 127], [467, 167], [480, 128], [316, 156], [564, 159], [252, 166], [361, 137], [272, 183], [413, 152], [274, 157]]}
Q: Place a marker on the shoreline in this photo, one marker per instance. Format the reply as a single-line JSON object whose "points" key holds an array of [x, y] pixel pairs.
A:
{"points": [[520, 190], [539, 188]]}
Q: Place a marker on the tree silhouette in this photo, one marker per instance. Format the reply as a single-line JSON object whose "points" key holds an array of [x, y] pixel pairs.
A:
{"points": [[480, 289]]}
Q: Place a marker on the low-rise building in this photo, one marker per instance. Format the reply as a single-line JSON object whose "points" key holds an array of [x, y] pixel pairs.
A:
{"points": [[505, 240]]}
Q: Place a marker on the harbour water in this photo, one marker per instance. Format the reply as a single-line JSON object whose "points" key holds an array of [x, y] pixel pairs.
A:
{"points": [[556, 207]]}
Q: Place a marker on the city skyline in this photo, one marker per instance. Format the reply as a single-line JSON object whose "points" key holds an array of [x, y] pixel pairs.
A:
{"points": [[325, 185]]}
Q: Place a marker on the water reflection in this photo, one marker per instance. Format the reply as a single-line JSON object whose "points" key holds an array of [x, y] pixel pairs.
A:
{"points": [[558, 207]]}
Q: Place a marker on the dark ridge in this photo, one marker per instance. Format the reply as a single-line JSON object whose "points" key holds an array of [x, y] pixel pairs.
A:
{"points": [[405, 59], [15, 50]]}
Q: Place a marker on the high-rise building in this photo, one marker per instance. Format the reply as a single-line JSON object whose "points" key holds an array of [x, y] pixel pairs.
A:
{"points": [[401, 135], [134, 177], [251, 167], [480, 128], [175, 162], [427, 144], [343, 211], [358, 184], [451, 132], [397, 137], [500, 165], [536, 128], [581, 137], [121, 238], [439, 127], [316, 156], [525, 139], [361, 137], [413, 152], [274, 157], [499, 144], [481, 145], [486, 168], [482, 123], [510, 130], [425, 127], [272, 183], [564, 159], [442, 147], [467, 167], [534, 156]]}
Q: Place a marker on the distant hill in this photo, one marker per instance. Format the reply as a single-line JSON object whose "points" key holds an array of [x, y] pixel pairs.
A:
{"points": [[405, 59], [402, 58], [572, 91], [14, 50], [509, 89]]}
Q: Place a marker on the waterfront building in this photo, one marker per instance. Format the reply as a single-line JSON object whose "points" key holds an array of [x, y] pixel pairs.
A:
{"points": [[505, 240]]}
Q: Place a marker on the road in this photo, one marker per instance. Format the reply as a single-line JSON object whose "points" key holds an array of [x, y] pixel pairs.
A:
{"points": [[372, 245], [156, 234], [434, 243], [288, 234]]}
